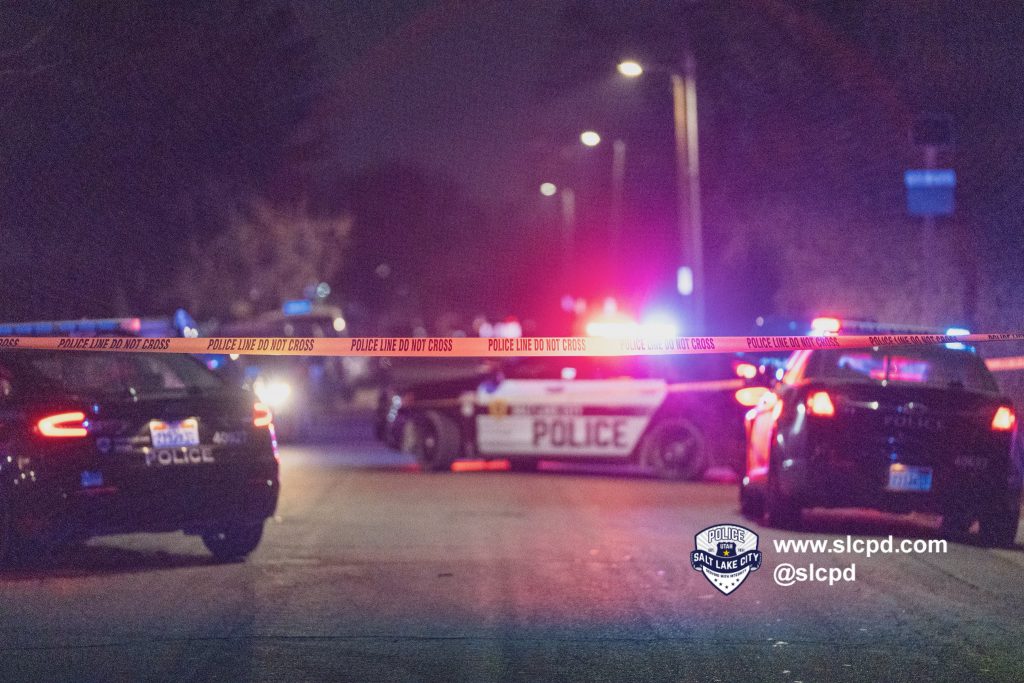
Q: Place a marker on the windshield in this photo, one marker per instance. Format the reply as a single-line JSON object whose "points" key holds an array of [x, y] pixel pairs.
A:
{"points": [[668, 368], [939, 368], [120, 373]]}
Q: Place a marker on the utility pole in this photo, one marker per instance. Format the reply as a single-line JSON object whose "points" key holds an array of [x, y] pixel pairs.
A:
{"points": [[618, 179], [684, 115]]}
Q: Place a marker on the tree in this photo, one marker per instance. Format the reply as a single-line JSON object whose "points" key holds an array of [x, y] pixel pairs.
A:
{"points": [[264, 256], [127, 128]]}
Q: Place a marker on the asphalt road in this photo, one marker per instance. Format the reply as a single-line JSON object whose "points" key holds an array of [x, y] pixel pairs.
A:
{"points": [[375, 571]]}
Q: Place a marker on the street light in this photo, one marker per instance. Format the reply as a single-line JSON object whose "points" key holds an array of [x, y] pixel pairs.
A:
{"points": [[592, 138], [568, 205], [684, 116], [630, 69]]}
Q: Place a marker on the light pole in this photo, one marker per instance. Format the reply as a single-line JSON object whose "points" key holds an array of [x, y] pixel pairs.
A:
{"points": [[618, 179], [567, 198], [684, 116], [589, 138]]}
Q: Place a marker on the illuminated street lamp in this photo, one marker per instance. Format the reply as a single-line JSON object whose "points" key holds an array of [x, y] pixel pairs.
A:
{"points": [[590, 138], [630, 69], [684, 115], [568, 205]]}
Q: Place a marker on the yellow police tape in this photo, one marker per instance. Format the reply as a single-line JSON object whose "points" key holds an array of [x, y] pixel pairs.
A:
{"points": [[469, 347]]}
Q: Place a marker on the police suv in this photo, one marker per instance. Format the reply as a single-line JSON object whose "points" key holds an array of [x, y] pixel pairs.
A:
{"points": [[678, 415]]}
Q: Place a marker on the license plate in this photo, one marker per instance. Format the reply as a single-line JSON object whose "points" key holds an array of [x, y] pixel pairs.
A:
{"points": [[909, 478], [174, 434]]}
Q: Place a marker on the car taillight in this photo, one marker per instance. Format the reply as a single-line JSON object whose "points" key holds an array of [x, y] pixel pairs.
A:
{"points": [[750, 396], [820, 403], [63, 425], [261, 415], [1004, 419]]}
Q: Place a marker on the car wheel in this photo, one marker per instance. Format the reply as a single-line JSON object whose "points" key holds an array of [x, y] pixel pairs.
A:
{"points": [[751, 503], [523, 464], [998, 527], [234, 541], [781, 510], [677, 451], [438, 442]]}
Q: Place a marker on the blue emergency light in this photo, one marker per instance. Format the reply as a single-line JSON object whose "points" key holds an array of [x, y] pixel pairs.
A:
{"points": [[297, 307]]}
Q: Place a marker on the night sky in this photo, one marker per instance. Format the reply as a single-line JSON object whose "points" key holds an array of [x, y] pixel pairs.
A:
{"points": [[134, 136]]}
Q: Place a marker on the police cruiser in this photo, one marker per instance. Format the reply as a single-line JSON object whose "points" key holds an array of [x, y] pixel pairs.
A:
{"points": [[898, 429], [110, 443], [678, 415]]}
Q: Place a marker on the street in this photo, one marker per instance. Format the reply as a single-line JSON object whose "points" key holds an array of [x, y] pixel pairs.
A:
{"points": [[373, 570]]}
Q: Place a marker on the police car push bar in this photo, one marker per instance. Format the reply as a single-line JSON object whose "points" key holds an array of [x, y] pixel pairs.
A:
{"points": [[470, 347]]}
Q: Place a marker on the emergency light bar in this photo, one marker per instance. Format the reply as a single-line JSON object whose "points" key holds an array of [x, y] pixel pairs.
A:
{"points": [[72, 327], [837, 325]]}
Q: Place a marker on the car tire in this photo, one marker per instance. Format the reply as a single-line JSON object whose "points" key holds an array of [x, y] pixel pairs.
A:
{"points": [[234, 541], [676, 450], [751, 503], [523, 464], [997, 527], [438, 441], [781, 511]]}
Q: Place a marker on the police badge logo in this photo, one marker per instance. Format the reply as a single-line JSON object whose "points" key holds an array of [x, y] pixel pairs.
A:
{"points": [[726, 554]]}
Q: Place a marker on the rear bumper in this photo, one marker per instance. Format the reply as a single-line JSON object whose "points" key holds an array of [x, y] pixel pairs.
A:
{"points": [[824, 476], [54, 510]]}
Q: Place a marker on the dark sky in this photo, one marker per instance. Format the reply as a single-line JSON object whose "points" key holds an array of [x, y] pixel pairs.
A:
{"points": [[456, 86], [133, 130]]}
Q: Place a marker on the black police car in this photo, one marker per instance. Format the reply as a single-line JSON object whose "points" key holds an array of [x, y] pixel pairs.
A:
{"points": [[108, 443], [677, 415], [897, 429]]}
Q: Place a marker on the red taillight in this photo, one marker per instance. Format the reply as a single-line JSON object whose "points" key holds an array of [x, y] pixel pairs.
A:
{"points": [[746, 371], [1004, 419], [820, 403], [261, 415], [63, 425], [750, 396]]}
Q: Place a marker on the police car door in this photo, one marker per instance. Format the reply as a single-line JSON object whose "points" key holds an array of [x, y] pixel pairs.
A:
{"points": [[565, 418]]}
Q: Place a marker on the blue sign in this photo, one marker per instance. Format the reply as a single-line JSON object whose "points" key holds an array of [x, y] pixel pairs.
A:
{"points": [[930, 191], [297, 307]]}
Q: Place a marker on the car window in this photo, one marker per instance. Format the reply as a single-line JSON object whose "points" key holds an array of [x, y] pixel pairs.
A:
{"points": [[927, 366], [668, 368], [112, 373]]}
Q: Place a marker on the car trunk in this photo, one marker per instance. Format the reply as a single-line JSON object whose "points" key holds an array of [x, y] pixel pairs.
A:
{"points": [[901, 438]]}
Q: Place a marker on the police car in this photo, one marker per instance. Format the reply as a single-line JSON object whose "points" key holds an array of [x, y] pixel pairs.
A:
{"points": [[299, 389], [109, 443], [678, 415], [901, 429]]}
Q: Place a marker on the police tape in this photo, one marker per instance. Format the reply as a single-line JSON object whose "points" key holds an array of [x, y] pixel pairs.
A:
{"points": [[484, 347]]}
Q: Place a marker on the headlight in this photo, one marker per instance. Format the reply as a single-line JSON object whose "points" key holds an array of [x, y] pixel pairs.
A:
{"points": [[274, 393]]}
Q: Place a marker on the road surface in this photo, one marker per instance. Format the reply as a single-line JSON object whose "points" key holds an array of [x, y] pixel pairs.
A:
{"points": [[375, 571]]}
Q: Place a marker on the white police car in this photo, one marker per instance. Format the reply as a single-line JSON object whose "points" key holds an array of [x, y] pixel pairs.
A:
{"points": [[677, 415]]}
